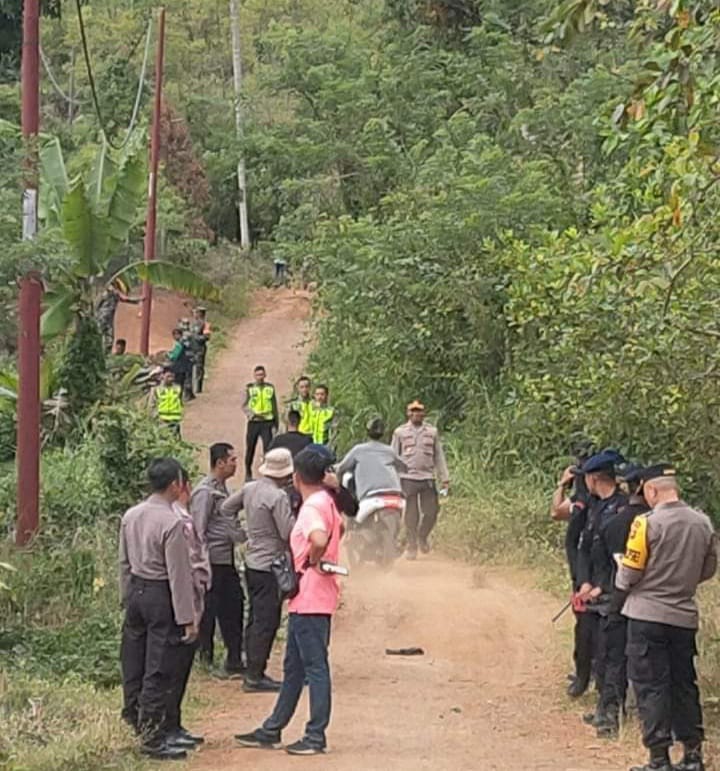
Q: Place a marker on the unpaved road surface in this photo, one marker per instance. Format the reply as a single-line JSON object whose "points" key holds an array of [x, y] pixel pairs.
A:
{"points": [[487, 694]]}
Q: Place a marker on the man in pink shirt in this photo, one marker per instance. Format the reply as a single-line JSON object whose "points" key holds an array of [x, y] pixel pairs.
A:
{"points": [[315, 538]]}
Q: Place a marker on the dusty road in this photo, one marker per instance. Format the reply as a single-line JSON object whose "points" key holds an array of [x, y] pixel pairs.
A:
{"points": [[487, 694]]}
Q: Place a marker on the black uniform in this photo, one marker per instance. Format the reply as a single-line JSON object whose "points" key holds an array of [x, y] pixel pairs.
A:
{"points": [[612, 537], [596, 568], [585, 623]]}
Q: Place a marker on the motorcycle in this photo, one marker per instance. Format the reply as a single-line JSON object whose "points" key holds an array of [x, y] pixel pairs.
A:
{"points": [[373, 533]]}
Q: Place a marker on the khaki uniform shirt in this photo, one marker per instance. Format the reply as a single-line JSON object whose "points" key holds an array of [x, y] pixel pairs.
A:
{"points": [[199, 562], [216, 530], [669, 552], [268, 521], [153, 546], [422, 451]]}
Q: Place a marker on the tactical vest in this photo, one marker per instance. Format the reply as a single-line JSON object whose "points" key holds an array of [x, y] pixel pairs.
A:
{"points": [[305, 408], [321, 419], [169, 403], [260, 401]]}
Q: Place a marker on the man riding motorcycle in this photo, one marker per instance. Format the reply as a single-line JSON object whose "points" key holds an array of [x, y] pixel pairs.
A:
{"points": [[375, 468]]}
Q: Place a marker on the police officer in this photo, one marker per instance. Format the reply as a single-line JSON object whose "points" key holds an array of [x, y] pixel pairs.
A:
{"points": [[322, 416], [669, 552], [571, 501], [418, 444], [219, 533], [156, 590], [261, 410], [166, 401], [303, 404], [612, 535], [200, 564], [200, 332], [594, 571]]}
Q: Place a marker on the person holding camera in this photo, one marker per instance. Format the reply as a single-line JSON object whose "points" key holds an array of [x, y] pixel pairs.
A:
{"points": [[314, 541]]}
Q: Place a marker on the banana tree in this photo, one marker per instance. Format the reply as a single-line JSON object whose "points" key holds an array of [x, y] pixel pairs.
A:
{"points": [[95, 219]]}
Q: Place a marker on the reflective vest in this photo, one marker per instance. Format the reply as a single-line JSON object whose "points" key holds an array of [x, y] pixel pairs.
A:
{"points": [[261, 401], [305, 408], [169, 403], [321, 419]]}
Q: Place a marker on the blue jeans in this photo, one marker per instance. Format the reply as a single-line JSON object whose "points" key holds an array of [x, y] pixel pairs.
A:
{"points": [[306, 659]]}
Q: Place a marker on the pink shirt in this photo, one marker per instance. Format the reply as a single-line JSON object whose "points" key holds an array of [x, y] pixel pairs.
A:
{"points": [[319, 592]]}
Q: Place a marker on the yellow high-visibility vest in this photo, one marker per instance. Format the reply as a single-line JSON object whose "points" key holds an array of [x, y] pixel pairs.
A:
{"points": [[305, 408], [169, 403], [260, 400], [322, 417]]}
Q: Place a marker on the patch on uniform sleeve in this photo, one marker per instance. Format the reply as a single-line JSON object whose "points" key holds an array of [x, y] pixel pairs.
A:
{"points": [[636, 549]]}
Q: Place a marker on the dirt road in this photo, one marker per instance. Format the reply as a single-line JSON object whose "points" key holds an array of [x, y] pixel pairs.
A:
{"points": [[487, 694]]}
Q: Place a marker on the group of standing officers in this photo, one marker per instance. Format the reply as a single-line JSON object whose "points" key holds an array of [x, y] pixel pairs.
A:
{"points": [[636, 553]]}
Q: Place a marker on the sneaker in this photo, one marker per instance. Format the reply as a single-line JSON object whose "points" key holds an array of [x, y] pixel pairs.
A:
{"points": [[182, 741], [303, 747], [193, 737], [163, 751], [264, 685], [260, 739]]}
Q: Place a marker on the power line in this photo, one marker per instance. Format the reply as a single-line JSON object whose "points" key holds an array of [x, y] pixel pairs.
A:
{"points": [[55, 84], [93, 88]]}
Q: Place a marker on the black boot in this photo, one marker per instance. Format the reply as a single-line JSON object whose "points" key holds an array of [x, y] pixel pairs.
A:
{"points": [[577, 688], [659, 761], [692, 761]]}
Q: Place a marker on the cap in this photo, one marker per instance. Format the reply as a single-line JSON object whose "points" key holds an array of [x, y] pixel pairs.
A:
{"points": [[656, 471], [602, 461], [416, 405], [277, 464]]}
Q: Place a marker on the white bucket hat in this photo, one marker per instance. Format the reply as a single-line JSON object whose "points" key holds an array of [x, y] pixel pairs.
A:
{"points": [[277, 464]]}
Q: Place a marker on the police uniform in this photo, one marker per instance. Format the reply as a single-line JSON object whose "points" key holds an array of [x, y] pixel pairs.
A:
{"points": [[167, 403], [421, 450], [594, 565], [670, 551], [199, 336], [304, 407], [225, 599], [260, 407], [585, 633], [156, 589], [200, 565], [321, 418]]}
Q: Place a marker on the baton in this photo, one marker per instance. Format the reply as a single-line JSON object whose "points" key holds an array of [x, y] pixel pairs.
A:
{"points": [[561, 611]]}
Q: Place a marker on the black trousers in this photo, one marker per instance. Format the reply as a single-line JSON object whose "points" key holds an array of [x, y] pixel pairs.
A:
{"points": [[265, 613], [661, 666], [174, 718], [151, 658], [199, 369], [612, 644], [586, 639], [257, 430], [421, 509], [225, 603]]}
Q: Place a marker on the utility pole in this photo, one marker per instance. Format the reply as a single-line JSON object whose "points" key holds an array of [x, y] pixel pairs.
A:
{"points": [[30, 298], [237, 82], [151, 221]]}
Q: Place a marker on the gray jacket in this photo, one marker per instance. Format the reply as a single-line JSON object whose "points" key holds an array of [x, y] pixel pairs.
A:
{"points": [[218, 531], [376, 468], [268, 521], [669, 552]]}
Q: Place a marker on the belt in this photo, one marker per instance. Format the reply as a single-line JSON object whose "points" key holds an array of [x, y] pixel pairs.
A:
{"points": [[148, 582]]}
